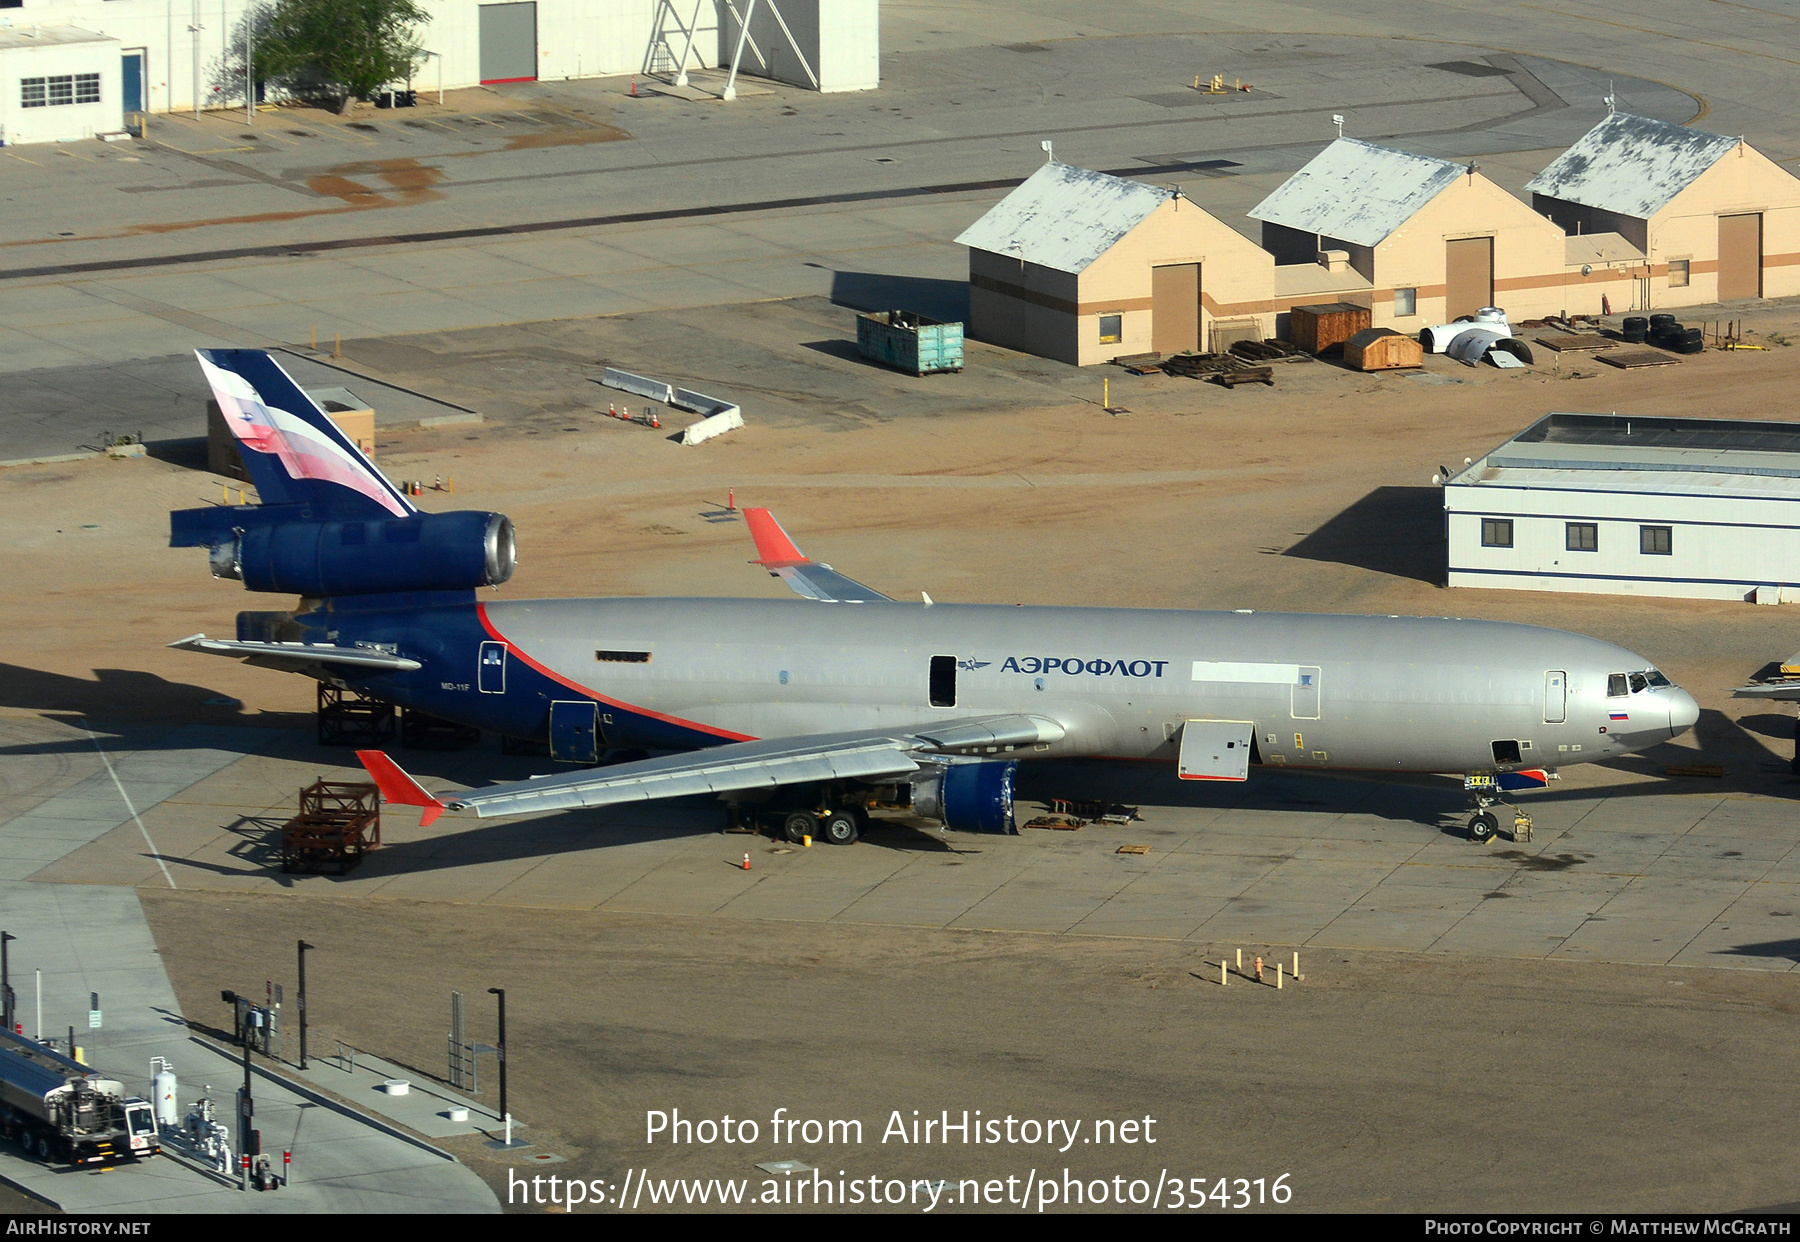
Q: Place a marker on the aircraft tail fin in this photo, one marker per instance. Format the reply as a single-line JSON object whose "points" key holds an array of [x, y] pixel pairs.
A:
{"points": [[293, 451], [399, 788]]}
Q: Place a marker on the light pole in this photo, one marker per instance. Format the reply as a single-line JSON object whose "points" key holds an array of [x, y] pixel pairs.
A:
{"points": [[6, 992], [505, 1113], [303, 948], [246, 1106]]}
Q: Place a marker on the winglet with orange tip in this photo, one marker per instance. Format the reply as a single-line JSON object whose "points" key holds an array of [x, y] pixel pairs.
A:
{"points": [[779, 555], [399, 788]]}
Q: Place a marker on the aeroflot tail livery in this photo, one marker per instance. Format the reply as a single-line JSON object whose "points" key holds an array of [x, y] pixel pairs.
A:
{"points": [[847, 699]]}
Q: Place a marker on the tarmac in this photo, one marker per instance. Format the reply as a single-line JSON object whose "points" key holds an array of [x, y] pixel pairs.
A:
{"points": [[1626, 872], [77, 940]]}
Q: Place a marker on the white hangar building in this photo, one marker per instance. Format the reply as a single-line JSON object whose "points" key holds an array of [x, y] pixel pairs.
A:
{"points": [[1695, 508], [174, 55]]}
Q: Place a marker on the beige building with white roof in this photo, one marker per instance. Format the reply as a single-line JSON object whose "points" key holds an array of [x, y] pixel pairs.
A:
{"points": [[1699, 217], [1084, 267]]}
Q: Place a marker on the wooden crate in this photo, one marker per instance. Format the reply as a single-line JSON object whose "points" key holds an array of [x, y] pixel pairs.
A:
{"points": [[1383, 349], [1320, 327]]}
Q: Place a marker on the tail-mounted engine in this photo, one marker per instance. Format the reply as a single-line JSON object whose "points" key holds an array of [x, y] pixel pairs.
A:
{"points": [[273, 548]]}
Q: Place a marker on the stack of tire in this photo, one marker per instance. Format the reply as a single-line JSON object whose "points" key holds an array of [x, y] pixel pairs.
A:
{"points": [[1666, 333], [1635, 329]]}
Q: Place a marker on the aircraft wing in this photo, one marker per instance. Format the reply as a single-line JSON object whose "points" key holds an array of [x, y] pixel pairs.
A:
{"points": [[760, 764], [806, 577], [300, 657]]}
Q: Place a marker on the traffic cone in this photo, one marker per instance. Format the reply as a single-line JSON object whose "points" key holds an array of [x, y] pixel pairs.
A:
{"points": [[746, 862], [655, 421], [634, 88]]}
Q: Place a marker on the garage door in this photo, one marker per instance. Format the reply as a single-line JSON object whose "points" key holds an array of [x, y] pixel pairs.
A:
{"points": [[1468, 275], [1175, 308], [509, 42], [1740, 257]]}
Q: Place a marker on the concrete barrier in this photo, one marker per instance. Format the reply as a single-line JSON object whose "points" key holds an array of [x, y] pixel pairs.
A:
{"points": [[729, 419], [642, 385]]}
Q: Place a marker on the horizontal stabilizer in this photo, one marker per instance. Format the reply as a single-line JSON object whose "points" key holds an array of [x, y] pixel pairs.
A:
{"points": [[778, 554], [1781, 690], [398, 788], [300, 657]]}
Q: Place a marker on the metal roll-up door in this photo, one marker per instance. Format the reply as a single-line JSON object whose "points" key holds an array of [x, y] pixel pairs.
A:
{"points": [[509, 42]]}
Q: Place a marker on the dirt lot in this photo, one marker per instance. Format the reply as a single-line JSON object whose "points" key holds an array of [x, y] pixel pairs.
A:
{"points": [[1384, 1083]]}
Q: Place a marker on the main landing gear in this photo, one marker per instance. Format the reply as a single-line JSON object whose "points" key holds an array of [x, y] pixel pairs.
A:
{"points": [[839, 827], [830, 815], [1484, 792]]}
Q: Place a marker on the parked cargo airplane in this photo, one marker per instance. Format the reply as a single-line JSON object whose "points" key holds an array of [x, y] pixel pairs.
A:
{"points": [[850, 698]]}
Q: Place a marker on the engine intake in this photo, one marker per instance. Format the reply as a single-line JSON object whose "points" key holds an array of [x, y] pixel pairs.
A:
{"points": [[423, 552], [969, 797]]}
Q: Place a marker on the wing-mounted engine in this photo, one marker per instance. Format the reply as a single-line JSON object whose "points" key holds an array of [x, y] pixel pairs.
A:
{"points": [[975, 796], [271, 551]]}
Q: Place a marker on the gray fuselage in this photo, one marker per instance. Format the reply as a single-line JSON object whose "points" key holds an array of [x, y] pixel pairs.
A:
{"points": [[1324, 691]]}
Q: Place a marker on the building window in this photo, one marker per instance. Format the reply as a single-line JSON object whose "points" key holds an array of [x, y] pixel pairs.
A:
{"points": [[1583, 537], [1112, 329], [1656, 540], [64, 89], [1406, 302], [1678, 273], [1496, 532]]}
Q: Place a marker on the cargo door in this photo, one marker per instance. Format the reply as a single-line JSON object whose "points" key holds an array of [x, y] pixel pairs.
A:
{"points": [[1175, 308], [509, 42], [491, 668], [574, 732], [1306, 693], [1740, 257], [1215, 750], [1556, 696], [1468, 275]]}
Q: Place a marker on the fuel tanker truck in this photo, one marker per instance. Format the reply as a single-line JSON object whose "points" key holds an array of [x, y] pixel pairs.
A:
{"points": [[62, 1112]]}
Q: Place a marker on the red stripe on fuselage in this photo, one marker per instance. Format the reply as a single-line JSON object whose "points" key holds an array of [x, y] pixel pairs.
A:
{"points": [[493, 632]]}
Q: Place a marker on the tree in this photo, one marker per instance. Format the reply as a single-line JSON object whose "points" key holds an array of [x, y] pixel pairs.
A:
{"points": [[345, 48]]}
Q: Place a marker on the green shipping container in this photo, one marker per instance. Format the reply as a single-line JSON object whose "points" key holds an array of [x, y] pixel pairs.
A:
{"points": [[910, 342]]}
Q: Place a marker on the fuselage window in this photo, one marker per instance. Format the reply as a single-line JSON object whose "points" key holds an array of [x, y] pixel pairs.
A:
{"points": [[1616, 686]]}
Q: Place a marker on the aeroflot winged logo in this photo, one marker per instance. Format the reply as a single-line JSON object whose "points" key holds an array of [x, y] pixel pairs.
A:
{"points": [[1098, 667]]}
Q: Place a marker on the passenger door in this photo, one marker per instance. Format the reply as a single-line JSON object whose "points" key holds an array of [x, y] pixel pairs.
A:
{"points": [[1556, 696]]}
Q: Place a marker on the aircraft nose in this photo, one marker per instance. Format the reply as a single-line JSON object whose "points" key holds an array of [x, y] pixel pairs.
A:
{"points": [[1684, 712]]}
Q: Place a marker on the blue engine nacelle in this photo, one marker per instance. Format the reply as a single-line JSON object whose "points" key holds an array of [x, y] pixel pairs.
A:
{"points": [[969, 797], [421, 552]]}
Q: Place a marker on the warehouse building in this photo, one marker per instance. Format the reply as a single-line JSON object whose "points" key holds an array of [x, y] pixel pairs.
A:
{"points": [[1691, 508], [61, 85], [1706, 217], [1084, 267], [1417, 240], [160, 57]]}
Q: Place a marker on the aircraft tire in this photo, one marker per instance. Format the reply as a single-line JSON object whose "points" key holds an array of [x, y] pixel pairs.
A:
{"points": [[799, 825], [1482, 827], [841, 828]]}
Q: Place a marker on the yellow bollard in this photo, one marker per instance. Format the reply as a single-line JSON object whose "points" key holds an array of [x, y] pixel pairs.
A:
{"points": [[1278, 966], [1106, 393], [1224, 980], [337, 344], [1296, 963], [313, 328], [1240, 959]]}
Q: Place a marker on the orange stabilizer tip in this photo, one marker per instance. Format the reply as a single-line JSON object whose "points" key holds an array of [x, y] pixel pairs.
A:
{"points": [[772, 543], [399, 788]]}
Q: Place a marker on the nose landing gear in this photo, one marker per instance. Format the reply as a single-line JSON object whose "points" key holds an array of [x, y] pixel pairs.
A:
{"points": [[1484, 792]]}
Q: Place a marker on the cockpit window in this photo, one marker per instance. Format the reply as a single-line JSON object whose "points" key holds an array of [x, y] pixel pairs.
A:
{"points": [[1639, 683], [1657, 679], [1616, 687]]}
